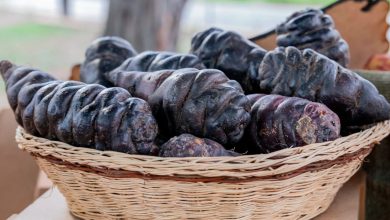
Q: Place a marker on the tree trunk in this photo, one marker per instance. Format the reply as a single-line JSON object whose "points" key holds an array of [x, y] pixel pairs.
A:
{"points": [[146, 24], [65, 7]]}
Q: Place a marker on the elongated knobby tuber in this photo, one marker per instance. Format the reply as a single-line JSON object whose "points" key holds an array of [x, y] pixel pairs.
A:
{"points": [[187, 145], [291, 72], [149, 61], [311, 28], [280, 122], [79, 114], [204, 103], [310, 75], [103, 55], [231, 53]]}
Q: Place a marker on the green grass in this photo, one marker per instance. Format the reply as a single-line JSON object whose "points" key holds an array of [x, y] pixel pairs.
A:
{"points": [[31, 31], [33, 43]]}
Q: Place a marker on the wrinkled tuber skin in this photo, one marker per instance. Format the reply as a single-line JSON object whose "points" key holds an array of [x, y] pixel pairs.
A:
{"points": [[201, 102], [79, 114], [150, 61], [310, 75], [280, 122], [103, 55], [187, 145], [231, 53], [254, 97], [311, 28]]}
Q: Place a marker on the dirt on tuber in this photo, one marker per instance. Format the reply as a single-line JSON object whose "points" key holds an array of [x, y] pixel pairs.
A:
{"points": [[289, 71], [187, 145], [280, 122]]}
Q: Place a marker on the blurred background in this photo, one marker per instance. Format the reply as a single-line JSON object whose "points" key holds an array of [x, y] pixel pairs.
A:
{"points": [[52, 35]]}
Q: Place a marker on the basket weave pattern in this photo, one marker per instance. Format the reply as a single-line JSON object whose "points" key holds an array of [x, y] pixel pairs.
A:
{"points": [[295, 183]]}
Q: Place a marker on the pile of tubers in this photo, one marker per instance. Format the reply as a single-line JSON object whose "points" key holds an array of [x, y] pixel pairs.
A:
{"points": [[227, 97]]}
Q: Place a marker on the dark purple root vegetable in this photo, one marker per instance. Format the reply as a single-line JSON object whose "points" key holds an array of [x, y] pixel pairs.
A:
{"points": [[280, 122], [204, 103], [254, 97], [291, 72], [103, 55], [149, 61], [187, 145], [310, 75], [79, 114], [231, 53], [311, 28]]}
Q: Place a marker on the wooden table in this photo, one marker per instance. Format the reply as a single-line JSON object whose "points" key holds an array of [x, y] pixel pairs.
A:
{"points": [[52, 205]]}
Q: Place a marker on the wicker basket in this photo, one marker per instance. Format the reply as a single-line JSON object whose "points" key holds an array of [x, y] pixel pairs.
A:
{"points": [[295, 183]]}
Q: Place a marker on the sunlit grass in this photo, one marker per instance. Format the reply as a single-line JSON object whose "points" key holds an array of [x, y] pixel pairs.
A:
{"points": [[27, 43], [26, 31]]}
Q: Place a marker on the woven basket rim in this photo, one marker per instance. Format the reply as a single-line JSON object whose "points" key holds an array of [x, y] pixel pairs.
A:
{"points": [[276, 164], [316, 166]]}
